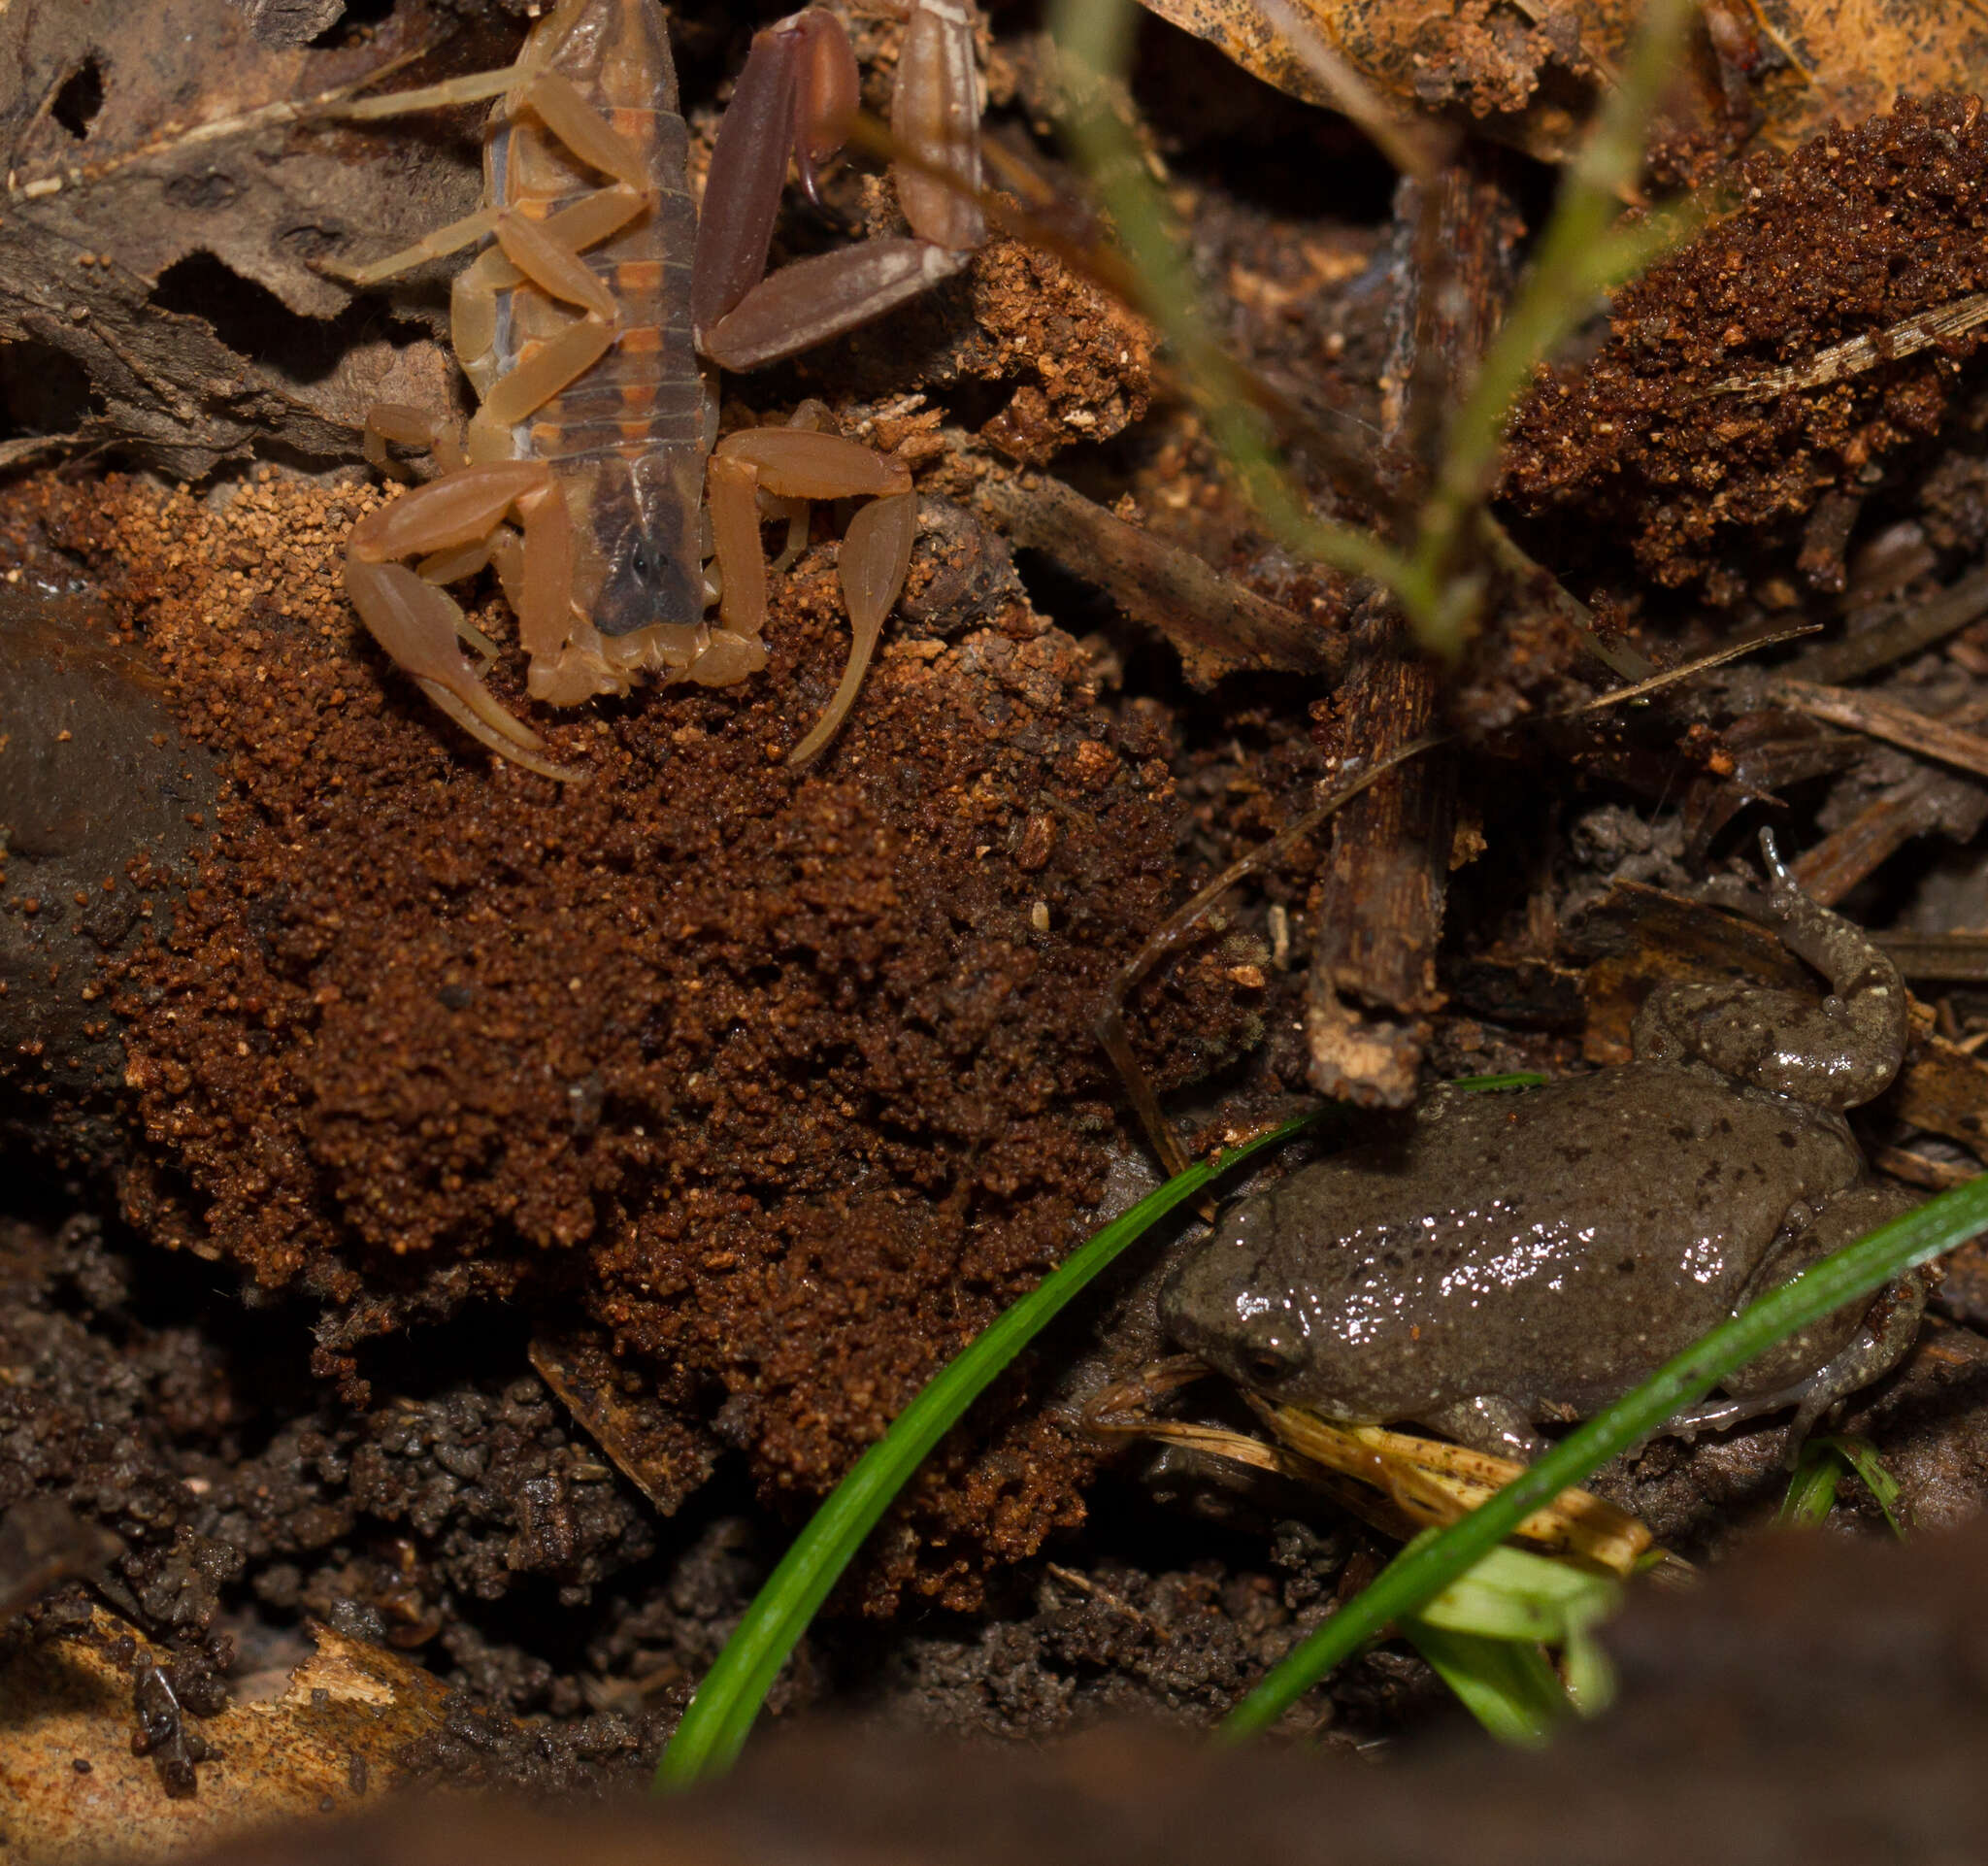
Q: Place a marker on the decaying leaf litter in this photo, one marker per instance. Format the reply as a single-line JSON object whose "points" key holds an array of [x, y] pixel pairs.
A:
{"points": [[684, 1065]]}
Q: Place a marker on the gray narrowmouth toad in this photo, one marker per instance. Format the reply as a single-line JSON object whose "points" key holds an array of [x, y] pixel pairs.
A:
{"points": [[1523, 1256]]}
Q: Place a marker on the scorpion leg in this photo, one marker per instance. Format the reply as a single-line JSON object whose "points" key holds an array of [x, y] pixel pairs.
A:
{"points": [[731, 497], [876, 553], [397, 424], [791, 98], [438, 244], [547, 253], [800, 463], [934, 110], [554, 100], [417, 624]]}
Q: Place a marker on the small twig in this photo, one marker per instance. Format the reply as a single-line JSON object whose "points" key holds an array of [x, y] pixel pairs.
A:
{"points": [[1621, 658], [1920, 331], [174, 138], [1209, 617], [1104, 1597], [1879, 717], [1174, 932], [31, 447], [1685, 670]]}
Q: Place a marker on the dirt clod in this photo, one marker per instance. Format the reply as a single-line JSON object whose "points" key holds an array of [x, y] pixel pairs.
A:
{"points": [[1860, 228]]}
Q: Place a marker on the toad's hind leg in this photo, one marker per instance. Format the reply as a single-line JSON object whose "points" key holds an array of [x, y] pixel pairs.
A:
{"points": [[1834, 1054], [1841, 1354]]}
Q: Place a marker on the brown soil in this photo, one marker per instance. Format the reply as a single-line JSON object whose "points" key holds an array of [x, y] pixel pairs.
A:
{"points": [[1861, 228], [786, 1081]]}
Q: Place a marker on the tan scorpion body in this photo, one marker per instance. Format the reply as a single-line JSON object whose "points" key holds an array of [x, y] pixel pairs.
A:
{"points": [[587, 325]]}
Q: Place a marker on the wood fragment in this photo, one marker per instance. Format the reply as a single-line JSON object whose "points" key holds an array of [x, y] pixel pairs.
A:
{"points": [[1179, 928], [211, 148], [1219, 625], [1373, 982], [1912, 631], [1943, 1089], [1919, 1169], [1423, 1480], [1928, 800], [1641, 938], [1889, 720], [1953, 959], [1919, 332], [75, 1789]]}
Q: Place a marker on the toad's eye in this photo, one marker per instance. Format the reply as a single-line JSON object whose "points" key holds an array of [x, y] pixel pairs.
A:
{"points": [[1269, 1360]]}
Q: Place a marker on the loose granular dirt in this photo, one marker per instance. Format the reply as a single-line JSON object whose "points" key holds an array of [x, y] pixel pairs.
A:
{"points": [[1860, 228], [785, 1079]]}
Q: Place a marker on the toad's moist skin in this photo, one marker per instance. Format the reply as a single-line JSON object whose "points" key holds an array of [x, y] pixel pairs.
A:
{"points": [[1524, 1256]]}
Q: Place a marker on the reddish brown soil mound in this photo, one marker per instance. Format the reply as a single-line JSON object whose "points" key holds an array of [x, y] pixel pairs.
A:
{"points": [[786, 1079]]}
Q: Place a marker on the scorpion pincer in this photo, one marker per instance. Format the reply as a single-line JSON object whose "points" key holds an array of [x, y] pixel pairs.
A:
{"points": [[590, 474]]}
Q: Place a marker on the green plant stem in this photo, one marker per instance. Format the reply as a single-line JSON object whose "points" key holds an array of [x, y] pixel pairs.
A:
{"points": [[1093, 37], [1578, 256], [1421, 1573], [720, 1715]]}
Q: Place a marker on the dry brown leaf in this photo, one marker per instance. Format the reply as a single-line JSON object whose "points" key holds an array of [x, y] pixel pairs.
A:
{"points": [[1780, 69], [151, 164], [323, 1740]]}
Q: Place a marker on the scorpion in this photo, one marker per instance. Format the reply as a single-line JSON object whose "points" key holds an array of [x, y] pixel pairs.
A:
{"points": [[591, 324]]}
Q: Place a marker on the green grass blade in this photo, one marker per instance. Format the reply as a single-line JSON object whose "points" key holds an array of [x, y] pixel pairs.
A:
{"points": [[1831, 1454], [1506, 1686], [1514, 1594], [1861, 1456], [1812, 1486], [1588, 1673], [1483, 1635], [715, 1725], [1420, 1573]]}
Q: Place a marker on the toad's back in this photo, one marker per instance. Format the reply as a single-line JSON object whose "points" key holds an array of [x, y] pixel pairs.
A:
{"points": [[1551, 1247]]}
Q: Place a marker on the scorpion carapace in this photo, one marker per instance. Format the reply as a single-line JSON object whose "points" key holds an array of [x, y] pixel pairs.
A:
{"points": [[585, 325]]}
